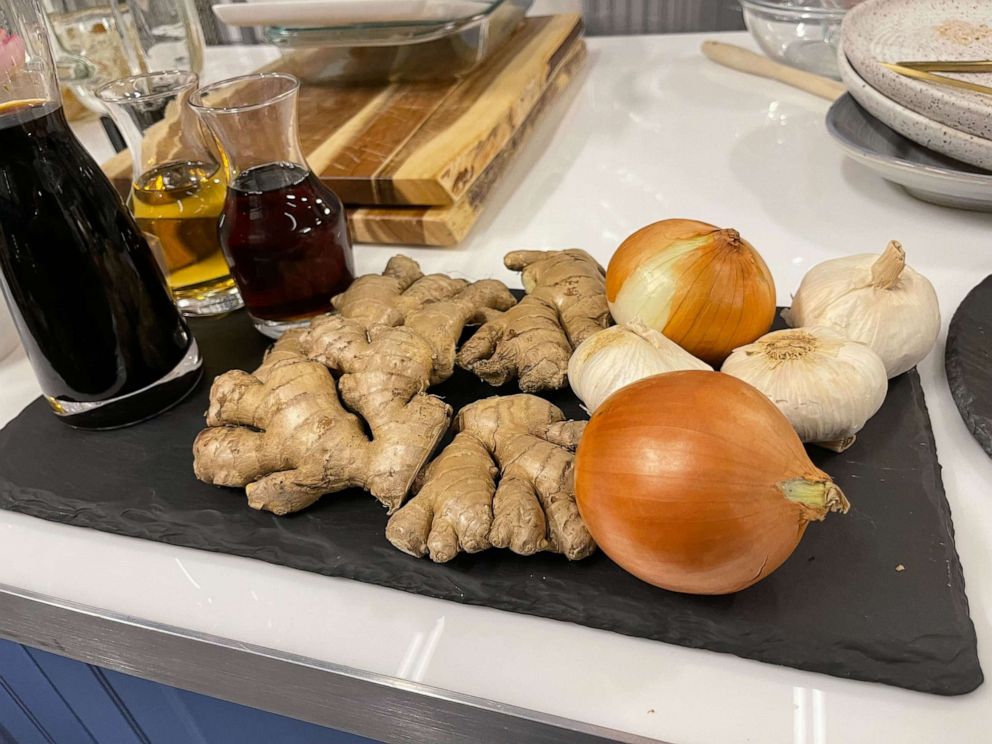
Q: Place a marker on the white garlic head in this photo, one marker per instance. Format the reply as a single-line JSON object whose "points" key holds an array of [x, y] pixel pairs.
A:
{"points": [[826, 385], [877, 300], [620, 355]]}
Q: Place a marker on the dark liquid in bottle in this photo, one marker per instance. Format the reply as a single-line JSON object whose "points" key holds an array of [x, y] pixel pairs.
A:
{"points": [[88, 298], [286, 240]]}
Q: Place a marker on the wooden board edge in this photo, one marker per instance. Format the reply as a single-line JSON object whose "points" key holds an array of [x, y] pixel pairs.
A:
{"points": [[459, 172], [443, 227]]}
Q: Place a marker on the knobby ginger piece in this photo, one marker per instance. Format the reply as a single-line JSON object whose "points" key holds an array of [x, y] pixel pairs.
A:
{"points": [[459, 506], [394, 336], [387, 298], [533, 341], [453, 507], [429, 333], [282, 434]]}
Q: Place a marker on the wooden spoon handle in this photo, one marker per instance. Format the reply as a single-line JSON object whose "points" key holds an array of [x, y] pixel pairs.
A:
{"points": [[744, 60]]}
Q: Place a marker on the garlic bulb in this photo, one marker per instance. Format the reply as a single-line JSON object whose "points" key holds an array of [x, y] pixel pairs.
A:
{"points": [[826, 385], [617, 356], [877, 300]]}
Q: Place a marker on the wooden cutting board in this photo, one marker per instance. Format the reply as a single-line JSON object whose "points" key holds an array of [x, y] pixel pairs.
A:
{"points": [[424, 144], [447, 225]]}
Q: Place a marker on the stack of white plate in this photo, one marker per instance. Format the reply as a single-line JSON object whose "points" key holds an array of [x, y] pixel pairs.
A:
{"points": [[940, 143]]}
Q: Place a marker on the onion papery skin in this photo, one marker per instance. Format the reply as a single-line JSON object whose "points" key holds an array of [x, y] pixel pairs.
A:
{"points": [[705, 288], [682, 478]]}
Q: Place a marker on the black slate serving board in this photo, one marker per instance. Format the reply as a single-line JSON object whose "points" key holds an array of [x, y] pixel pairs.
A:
{"points": [[838, 605], [968, 361]]}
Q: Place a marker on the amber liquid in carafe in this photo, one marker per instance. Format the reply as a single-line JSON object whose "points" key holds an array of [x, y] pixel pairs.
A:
{"points": [[178, 206]]}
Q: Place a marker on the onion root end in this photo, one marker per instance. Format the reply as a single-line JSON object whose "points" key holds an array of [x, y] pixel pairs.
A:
{"points": [[815, 497]]}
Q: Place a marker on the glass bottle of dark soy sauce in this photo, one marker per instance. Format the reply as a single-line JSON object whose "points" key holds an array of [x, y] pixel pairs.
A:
{"points": [[89, 300]]}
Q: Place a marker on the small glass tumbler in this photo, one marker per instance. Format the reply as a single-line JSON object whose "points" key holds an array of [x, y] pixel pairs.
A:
{"points": [[95, 31], [178, 186], [126, 37], [167, 34], [283, 231]]}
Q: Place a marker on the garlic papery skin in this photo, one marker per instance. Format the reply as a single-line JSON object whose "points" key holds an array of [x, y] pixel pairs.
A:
{"points": [[877, 300], [617, 356], [826, 385]]}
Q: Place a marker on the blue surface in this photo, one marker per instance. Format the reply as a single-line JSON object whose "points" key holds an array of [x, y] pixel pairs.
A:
{"points": [[48, 699]]}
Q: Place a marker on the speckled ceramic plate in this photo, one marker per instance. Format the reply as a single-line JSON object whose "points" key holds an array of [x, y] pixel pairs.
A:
{"points": [[931, 134], [879, 31], [923, 173]]}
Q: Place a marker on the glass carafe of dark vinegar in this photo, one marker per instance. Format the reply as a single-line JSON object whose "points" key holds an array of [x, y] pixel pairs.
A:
{"points": [[90, 303], [283, 232]]}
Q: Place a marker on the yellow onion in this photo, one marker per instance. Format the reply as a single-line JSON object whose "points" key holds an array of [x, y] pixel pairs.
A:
{"points": [[695, 482], [704, 287]]}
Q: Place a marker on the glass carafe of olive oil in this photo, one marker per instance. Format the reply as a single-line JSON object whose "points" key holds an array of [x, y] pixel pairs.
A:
{"points": [[178, 186]]}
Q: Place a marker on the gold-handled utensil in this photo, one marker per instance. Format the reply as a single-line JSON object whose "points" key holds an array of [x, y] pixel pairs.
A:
{"points": [[958, 65], [919, 74]]}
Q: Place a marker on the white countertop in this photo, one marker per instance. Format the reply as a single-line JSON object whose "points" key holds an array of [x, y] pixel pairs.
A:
{"points": [[652, 130]]}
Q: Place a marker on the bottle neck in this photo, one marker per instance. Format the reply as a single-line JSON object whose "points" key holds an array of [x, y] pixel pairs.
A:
{"points": [[161, 131], [256, 136]]}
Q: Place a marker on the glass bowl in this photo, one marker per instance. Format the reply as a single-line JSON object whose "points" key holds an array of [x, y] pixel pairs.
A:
{"points": [[799, 33], [393, 51]]}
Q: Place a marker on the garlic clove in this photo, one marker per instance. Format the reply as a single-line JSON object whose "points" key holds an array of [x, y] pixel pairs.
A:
{"points": [[826, 385], [620, 355]]}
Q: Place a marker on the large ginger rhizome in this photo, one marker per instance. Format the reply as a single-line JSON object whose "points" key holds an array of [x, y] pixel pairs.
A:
{"points": [[344, 403]]}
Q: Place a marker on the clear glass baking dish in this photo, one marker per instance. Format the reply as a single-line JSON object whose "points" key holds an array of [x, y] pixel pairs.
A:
{"points": [[396, 51]]}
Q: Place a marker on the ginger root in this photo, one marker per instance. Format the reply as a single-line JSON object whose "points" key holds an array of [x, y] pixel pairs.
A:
{"points": [[387, 298], [533, 341], [394, 336], [460, 507], [282, 433]]}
